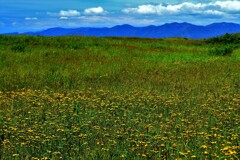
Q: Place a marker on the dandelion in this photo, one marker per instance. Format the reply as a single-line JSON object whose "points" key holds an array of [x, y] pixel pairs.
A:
{"points": [[204, 146], [206, 152], [15, 155], [232, 152], [182, 153], [144, 155], [122, 156], [225, 148], [56, 153], [174, 145], [213, 142]]}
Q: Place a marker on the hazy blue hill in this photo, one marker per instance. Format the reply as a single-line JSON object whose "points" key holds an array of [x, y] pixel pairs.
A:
{"points": [[53, 32], [119, 30], [123, 30], [167, 30], [90, 32], [221, 28], [171, 30]]}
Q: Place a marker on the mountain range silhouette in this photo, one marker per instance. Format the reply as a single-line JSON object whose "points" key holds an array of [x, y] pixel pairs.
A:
{"points": [[185, 30]]}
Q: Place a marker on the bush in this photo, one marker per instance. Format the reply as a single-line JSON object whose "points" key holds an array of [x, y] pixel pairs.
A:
{"points": [[225, 39], [18, 48], [73, 45], [224, 50]]}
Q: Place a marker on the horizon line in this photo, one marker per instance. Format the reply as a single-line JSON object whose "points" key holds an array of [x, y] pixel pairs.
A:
{"points": [[124, 24]]}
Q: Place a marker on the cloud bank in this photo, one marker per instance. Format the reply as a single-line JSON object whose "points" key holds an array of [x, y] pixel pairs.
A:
{"points": [[188, 8], [140, 13]]}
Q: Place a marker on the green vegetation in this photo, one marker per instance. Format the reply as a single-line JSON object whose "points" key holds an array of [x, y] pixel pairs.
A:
{"points": [[119, 98], [224, 45], [226, 39]]}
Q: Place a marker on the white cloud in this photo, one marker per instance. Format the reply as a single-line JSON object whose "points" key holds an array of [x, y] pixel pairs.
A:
{"points": [[63, 18], [213, 12], [153, 9], [69, 13], [211, 8], [229, 5], [96, 10], [31, 18], [94, 18]]}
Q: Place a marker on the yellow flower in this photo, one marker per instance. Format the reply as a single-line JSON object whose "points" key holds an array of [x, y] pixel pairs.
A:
{"points": [[144, 155], [15, 155], [174, 145], [45, 158], [231, 152], [122, 156], [22, 144], [213, 142], [182, 153], [56, 153], [225, 148], [204, 146]]}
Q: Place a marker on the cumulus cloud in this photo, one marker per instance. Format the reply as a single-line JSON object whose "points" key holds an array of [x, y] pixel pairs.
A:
{"points": [[95, 10], [31, 18], [228, 5], [211, 8], [69, 13]]}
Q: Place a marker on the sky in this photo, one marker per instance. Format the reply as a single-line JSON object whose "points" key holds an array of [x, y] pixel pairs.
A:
{"points": [[35, 15]]}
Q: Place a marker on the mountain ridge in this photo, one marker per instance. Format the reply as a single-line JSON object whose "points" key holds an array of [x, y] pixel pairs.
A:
{"points": [[175, 29]]}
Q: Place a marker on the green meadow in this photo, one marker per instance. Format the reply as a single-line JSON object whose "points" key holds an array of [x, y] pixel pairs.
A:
{"points": [[119, 98]]}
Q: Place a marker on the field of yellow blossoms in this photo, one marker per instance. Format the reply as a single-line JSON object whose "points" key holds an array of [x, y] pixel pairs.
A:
{"points": [[119, 98], [99, 124]]}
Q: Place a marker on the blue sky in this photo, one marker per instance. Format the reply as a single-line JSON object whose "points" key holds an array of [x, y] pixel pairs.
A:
{"points": [[32, 15]]}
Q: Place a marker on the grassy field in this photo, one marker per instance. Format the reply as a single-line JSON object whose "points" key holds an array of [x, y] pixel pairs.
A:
{"points": [[119, 98]]}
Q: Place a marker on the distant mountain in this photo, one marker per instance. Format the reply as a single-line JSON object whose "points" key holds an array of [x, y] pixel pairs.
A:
{"points": [[186, 30]]}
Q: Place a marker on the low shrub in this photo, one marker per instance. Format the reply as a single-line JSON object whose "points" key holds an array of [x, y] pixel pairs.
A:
{"points": [[223, 50], [225, 39], [18, 48]]}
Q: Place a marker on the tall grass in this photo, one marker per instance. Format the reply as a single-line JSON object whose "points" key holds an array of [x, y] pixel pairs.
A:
{"points": [[111, 63], [117, 98]]}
